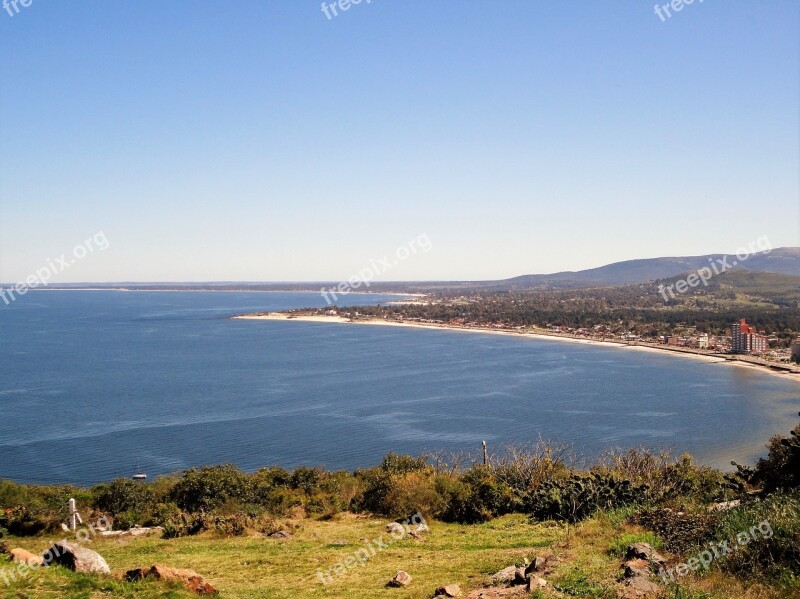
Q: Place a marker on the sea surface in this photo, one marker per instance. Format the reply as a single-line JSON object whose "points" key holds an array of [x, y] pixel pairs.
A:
{"points": [[93, 383]]}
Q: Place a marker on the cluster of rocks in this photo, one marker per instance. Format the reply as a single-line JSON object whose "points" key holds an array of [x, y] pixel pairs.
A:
{"points": [[641, 561], [85, 561], [136, 531], [190, 579]]}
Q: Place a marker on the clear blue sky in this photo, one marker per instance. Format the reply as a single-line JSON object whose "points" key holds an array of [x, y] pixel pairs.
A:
{"points": [[262, 141]]}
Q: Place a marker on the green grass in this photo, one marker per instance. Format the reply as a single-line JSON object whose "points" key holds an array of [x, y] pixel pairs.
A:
{"points": [[254, 566]]}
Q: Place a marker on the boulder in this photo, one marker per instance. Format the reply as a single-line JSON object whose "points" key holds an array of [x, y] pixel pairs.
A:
{"points": [[499, 593], [536, 565], [395, 527], [21, 556], [401, 579], [190, 579], [637, 567], [519, 576], [505, 576], [646, 552], [76, 558], [535, 582], [638, 587], [448, 590]]}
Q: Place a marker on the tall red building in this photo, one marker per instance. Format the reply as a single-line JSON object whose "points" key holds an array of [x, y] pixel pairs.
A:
{"points": [[745, 340]]}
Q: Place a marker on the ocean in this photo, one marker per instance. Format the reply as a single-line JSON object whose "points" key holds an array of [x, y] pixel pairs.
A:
{"points": [[94, 383]]}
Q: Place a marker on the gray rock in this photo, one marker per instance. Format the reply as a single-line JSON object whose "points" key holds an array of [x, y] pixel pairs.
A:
{"points": [[506, 575], [401, 579], [645, 551], [537, 565], [76, 558]]}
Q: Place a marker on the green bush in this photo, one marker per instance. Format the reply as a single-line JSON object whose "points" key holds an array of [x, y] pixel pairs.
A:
{"points": [[129, 502], [579, 496], [780, 470], [207, 488]]}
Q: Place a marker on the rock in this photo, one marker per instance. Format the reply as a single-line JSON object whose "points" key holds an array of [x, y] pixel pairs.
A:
{"points": [[448, 590], [340, 543], [21, 556], [401, 579], [499, 593], [637, 567], [534, 582], [724, 505], [280, 534], [638, 587], [519, 576], [646, 552], [76, 558], [136, 531], [190, 579], [537, 565], [506, 575], [395, 527]]}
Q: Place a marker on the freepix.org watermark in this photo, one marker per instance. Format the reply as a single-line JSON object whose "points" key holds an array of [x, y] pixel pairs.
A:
{"points": [[334, 9], [665, 11], [15, 4], [717, 267], [716, 551], [361, 556], [421, 243], [97, 242]]}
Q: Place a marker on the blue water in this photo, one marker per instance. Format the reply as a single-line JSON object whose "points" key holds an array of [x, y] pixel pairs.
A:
{"points": [[92, 383]]}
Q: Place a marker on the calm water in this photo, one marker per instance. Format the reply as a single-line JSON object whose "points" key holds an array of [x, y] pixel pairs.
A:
{"points": [[92, 383]]}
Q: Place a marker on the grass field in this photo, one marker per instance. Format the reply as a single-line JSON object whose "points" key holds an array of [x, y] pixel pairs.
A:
{"points": [[587, 563]]}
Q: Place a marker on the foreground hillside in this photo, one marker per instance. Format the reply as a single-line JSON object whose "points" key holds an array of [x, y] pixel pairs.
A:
{"points": [[309, 533], [586, 562]]}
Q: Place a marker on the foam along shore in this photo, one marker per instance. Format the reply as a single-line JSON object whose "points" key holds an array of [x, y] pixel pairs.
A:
{"points": [[713, 359]]}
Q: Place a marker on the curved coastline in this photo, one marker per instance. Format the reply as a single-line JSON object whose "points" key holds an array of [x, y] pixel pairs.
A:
{"points": [[786, 374]]}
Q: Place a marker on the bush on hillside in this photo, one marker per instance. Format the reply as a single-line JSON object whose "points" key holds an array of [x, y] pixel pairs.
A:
{"points": [[579, 496], [779, 471], [207, 488]]}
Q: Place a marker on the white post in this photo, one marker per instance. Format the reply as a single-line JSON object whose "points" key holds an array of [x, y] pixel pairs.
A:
{"points": [[73, 516]]}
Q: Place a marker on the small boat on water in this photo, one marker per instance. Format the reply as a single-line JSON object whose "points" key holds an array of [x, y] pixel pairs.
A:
{"points": [[139, 474]]}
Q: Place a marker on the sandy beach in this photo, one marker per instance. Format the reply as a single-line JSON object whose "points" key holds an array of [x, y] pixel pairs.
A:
{"points": [[723, 360]]}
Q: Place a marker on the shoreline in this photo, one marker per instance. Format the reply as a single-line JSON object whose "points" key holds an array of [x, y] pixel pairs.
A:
{"points": [[723, 359]]}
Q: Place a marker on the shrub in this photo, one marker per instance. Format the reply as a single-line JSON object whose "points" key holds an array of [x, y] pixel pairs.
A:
{"points": [[20, 521], [207, 488], [525, 468], [780, 470], [478, 496], [579, 496], [265, 481], [659, 477], [410, 493], [128, 501]]}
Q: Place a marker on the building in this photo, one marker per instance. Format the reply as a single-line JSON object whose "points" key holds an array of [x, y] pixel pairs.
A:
{"points": [[745, 340], [699, 341]]}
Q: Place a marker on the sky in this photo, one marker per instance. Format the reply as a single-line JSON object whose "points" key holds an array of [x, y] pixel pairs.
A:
{"points": [[266, 141]]}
